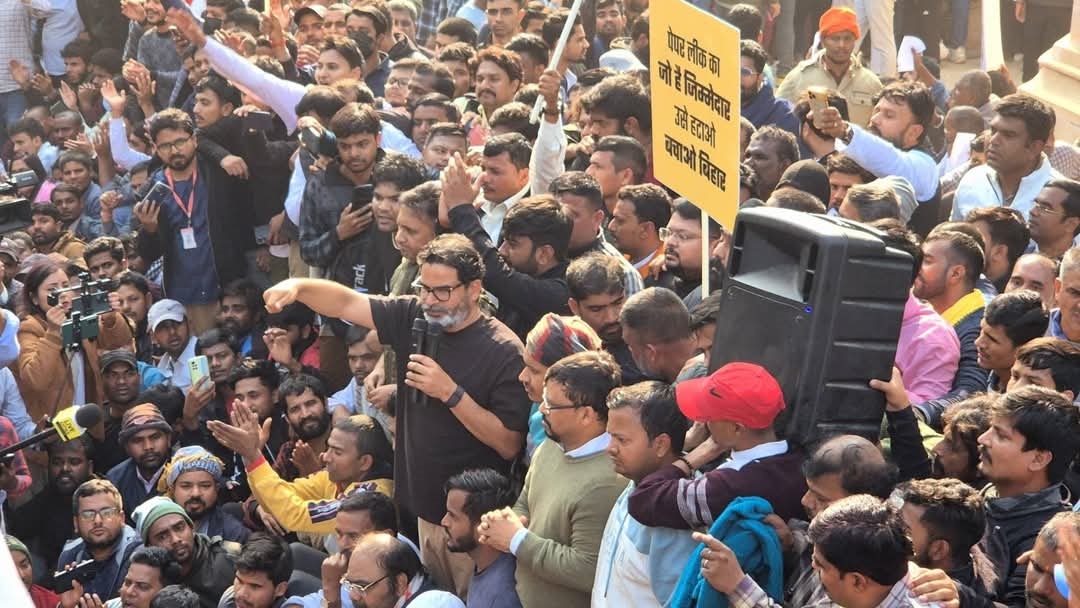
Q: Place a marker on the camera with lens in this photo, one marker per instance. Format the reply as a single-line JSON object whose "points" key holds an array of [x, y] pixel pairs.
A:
{"points": [[91, 299], [15, 210]]}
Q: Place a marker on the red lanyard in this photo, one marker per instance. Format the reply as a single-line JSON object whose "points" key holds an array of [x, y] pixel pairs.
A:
{"points": [[191, 195]]}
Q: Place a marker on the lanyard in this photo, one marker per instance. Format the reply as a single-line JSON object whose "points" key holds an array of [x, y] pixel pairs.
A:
{"points": [[191, 195]]}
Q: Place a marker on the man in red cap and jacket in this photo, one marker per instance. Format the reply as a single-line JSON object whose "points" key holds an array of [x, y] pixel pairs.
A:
{"points": [[739, 403]]}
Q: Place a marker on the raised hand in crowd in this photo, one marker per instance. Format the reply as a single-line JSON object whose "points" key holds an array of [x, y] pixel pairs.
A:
{"points": [[353, 221], [133, 10], [20, 74], [147, 213], [244, 436], [199, 395], [305, 459], [188, 27]]}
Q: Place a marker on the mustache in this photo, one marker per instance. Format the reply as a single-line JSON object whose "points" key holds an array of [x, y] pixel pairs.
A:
{"points": [[984, 454]]}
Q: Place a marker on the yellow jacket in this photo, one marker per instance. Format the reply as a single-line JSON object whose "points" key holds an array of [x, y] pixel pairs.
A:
{"points": [[310, 503]]}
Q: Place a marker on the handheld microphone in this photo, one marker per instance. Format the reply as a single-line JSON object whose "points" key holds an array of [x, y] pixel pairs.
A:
{"points": [[419, 329], [431, 344], [68, 424]]}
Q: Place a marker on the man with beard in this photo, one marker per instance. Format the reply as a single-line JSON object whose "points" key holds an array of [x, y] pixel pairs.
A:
{"points": [[469, 495], [957, 454], [946, 519], [146, 437], [172, 330], [201, 231], [1033, 437], [656, 329], [640, 565], [952, 262], [48, 234], [44, 521], [470, 417], [102, 537], [309, 419], [682, 247], [569, 490], [769, 153], [207, 565], [357, 459], [610, 24], [193, 479], [895, 143], [385, 572], [157, 51], [597, 286], [759, 105], [120, 383], [527, 271], [241, 314], [136, 299]]}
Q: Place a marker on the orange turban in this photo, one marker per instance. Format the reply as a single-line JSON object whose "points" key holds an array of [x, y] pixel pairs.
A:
{"points": [[838, 19]]}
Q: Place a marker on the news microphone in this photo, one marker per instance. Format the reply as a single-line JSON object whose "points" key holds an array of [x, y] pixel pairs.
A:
{"points": [[419, 329], [68, 424]]}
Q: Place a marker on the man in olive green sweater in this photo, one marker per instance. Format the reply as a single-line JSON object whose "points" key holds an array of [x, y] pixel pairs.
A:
{"points": [[569, 490]]}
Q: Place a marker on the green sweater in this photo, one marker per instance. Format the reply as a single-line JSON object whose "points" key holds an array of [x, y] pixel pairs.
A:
{"points": [[567, 502]]}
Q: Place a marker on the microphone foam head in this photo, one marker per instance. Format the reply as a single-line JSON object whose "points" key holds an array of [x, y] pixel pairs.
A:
{"points": [[88, 415]]}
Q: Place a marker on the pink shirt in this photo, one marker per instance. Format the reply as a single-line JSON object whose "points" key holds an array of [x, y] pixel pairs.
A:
{"points": [[927, 353]]}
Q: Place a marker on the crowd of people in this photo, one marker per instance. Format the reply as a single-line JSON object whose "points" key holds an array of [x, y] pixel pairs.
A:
{"points": [[364, 334]]}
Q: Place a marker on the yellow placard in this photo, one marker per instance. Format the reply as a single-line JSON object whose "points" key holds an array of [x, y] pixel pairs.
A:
{"points": [[695, 107]]}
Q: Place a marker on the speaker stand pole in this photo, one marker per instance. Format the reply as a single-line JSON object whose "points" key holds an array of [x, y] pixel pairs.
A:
{"points": [[704, 254]]}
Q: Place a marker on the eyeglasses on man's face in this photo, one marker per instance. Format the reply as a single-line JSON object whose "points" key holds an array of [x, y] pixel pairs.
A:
{"points": [[441, 293], [361, 588]]}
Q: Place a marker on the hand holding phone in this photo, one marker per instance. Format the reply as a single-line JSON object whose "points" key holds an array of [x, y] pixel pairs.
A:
{"points": [[362, 196], [199, 366]]}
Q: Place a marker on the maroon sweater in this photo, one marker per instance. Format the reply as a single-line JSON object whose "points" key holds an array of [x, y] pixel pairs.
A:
{"points": [[668, 499]]}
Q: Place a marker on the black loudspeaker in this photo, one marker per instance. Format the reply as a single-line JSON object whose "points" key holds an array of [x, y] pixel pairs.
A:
{"points": [[14, 215], [818, 301]]}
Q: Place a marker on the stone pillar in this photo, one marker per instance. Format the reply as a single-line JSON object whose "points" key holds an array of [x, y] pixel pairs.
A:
{"points": [[1058, 80]]}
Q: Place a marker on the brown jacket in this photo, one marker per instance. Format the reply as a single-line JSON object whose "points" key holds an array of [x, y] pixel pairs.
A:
{"points": [[68, 246], [42, 373]]}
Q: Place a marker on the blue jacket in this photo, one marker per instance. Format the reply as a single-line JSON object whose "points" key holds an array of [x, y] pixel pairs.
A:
{"points": [[106, 583], [765, 109], [125, 476], [754, 542]]}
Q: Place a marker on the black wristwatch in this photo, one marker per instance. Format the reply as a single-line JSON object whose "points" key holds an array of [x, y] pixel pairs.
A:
{"points": [[455, 398]]}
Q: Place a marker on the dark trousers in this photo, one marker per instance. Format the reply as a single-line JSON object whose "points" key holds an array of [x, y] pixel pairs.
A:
{"points": [[921, 18], [1043, 26]]}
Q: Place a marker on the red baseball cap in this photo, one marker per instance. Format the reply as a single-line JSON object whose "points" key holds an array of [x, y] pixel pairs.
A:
{"points": [[738, 392]]}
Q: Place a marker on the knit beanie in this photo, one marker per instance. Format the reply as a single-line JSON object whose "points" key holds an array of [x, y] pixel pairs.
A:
{"points": [[14, 544], [142, 418], [186, 460], [152, 510], [555, 337]]}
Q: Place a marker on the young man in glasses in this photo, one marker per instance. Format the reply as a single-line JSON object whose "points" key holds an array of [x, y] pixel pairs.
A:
{"points": [[102, 537], [473, 412]]}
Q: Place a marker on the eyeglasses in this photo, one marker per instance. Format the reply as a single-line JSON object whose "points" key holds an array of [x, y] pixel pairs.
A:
{"points": [[359, 588], [174, 145], [441, 293], [104, 514], [546, 405], [1046, 208], [677, 235], [398, 82]]}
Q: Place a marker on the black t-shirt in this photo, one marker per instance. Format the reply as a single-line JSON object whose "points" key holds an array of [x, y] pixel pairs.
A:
{"points": [[485, 358]]}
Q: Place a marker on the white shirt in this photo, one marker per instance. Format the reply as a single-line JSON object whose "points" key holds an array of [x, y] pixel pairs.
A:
{"points": [[177, 370], [495, 213], [739, 459]]}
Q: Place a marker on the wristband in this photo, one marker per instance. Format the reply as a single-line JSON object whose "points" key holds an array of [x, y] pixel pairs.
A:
{"points": [[689, 467], [455, 398]]}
